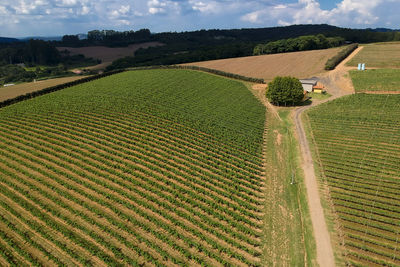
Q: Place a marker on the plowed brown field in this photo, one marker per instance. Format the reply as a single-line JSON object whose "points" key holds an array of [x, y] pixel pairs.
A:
{"points": [[24, 88], [298, 64]]}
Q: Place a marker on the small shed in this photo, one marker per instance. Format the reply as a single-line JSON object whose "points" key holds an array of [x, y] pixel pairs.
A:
{"points": [[319, 88], [308, 84]]}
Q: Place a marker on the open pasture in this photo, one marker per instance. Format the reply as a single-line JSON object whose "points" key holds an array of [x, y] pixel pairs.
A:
{"points": [[297, 64], [378, 55], [358, 142], [161, 167], [379, 80]]}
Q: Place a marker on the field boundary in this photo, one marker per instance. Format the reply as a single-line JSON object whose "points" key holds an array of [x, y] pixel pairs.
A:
{"points": [[212, 71], [341, 56], [51, 89], [380, 92]]}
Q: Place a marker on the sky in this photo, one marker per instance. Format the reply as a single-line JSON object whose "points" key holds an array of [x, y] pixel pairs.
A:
{"points": [[19, 18]]}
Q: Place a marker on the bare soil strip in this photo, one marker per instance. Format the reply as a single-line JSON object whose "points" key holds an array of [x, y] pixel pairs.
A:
{"points": [[24, 88], [338, 84]]}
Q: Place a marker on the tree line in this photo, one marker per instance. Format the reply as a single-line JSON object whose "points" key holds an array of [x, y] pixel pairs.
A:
{"points": [[36, 59], [302, 43], [108, 38]]}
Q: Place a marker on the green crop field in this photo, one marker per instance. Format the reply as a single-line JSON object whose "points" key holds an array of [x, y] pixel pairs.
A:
{"points": [[379, 55], [376, 80], [161, 167], [358, 143]]}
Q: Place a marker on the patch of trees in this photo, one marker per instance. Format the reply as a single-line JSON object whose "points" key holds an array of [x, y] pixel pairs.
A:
{"points": [[285, 91], [108, 38], [33, 52], [302, 43], [177, 54], [14, 73], [335, 60], [37, 59]]}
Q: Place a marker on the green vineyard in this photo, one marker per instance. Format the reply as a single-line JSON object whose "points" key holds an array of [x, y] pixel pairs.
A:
{"points": [[358, 144], [156, 167]]}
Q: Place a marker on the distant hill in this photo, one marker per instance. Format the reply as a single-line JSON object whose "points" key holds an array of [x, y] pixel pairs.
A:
{"points": [[8, 40], [44, 38], [383, 30]]}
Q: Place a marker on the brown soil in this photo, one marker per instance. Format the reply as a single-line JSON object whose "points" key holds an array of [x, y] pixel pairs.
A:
{"points": [[108, 54], [24, 88], [337, 82], [298, 64]]}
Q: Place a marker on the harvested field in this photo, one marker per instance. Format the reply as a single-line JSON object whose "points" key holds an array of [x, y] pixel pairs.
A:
{"points": [[23, 88], [155, 168], [298, 64], [108, 54], [379, 55]]}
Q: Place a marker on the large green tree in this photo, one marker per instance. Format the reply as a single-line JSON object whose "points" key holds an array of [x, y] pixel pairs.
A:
{"points": [[285, 91]]}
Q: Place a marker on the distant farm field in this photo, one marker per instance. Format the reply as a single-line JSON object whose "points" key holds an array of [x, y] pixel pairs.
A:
{"points": [[379, 55], [108, 54], [298, 64], [358, 142], [159, 167], [24, 88], [376, 80]]}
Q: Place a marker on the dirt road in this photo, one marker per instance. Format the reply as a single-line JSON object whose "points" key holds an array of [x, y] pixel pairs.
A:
{"points": [[337, 83]]}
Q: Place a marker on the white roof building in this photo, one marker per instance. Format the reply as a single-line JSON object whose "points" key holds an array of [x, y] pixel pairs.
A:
{"points": [[308, 84]]}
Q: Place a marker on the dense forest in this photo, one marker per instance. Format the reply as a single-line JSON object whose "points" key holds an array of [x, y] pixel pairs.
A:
{"points": [[36, 59], [302, 43]]}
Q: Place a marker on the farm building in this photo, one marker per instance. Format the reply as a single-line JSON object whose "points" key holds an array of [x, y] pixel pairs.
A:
{"points": [[308, 84], [318, 88]]}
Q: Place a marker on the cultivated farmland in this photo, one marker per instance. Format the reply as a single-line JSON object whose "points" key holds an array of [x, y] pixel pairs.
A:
{"points": [[379, 55], [161, 167], [358, 143], [379, 80], [298, 64]]}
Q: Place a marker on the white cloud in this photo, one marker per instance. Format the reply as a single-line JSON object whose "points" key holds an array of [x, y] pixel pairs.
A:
{"points": [[85, 10], [156, 6], [280, 6], [253, 17], [123, 11], [21, 17], [205, 7], [349, 13], [3, 10], [66, 3]]}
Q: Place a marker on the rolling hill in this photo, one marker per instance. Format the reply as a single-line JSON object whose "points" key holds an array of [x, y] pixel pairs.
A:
{"points": [[157, 167], [298, 64]]}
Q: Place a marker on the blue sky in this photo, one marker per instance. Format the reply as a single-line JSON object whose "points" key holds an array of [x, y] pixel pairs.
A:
{"points": [[58, 17]]}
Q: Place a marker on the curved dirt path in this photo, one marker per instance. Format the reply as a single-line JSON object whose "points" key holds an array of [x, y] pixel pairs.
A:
{"points": [[337, 83]]}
